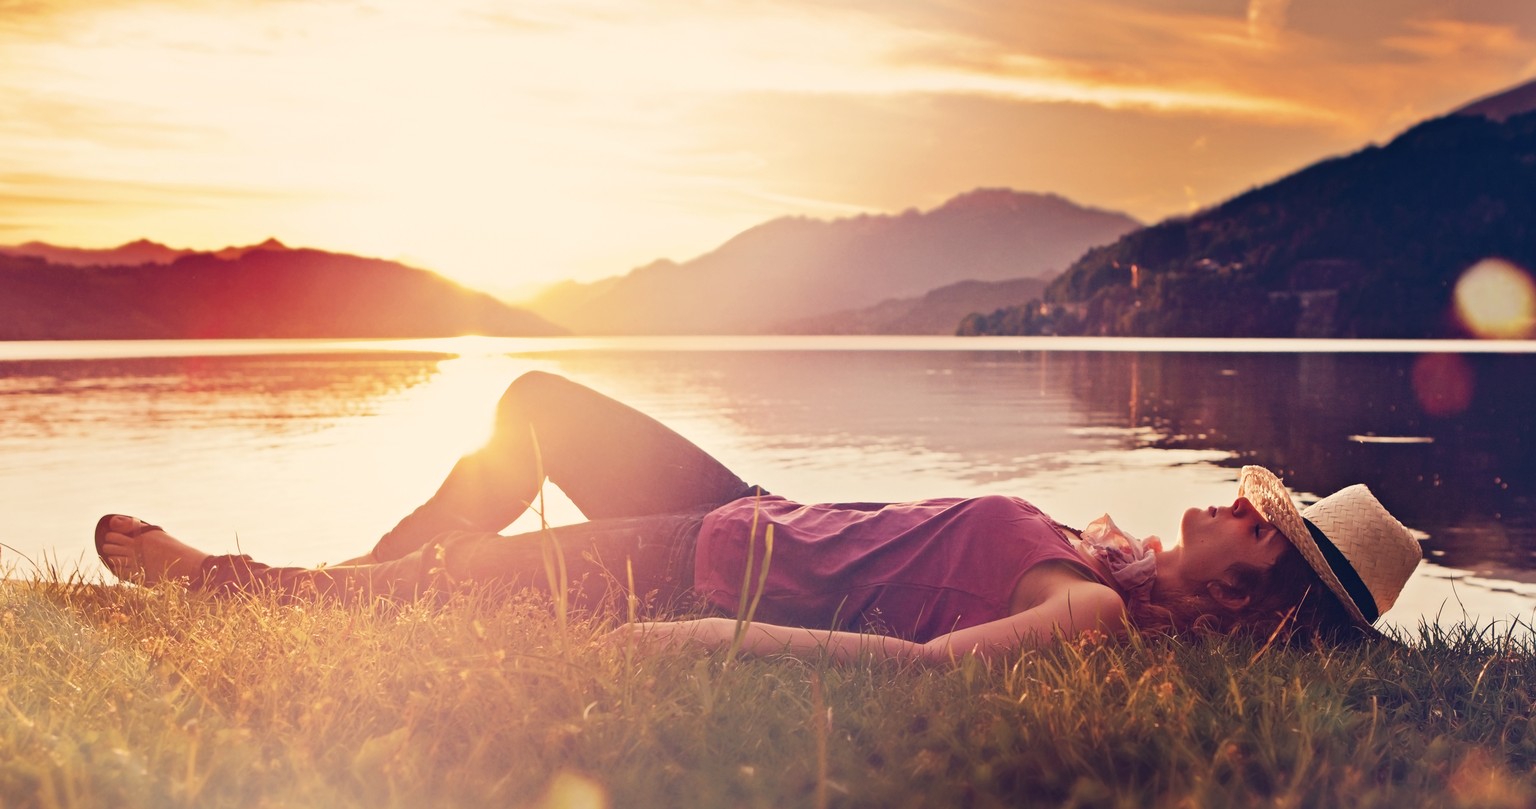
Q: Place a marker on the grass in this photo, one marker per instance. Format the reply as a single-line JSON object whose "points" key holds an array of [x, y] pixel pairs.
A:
{"points": [[125, 697]]}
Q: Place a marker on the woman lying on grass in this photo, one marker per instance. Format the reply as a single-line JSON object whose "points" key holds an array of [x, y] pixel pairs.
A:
{"points": [[925, 579]]}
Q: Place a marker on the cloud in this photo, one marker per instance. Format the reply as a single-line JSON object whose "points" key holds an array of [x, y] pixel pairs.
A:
{"points": [[93, 211], [1354, 66], [44, 117], [410, 126], [1043, 87], [1116, 54], [1104, 53], [677, 47], [26, 189], [1266, 18], [1440, 39]]}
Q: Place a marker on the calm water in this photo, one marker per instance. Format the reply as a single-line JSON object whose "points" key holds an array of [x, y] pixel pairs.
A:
{"points": [[304, 452]]}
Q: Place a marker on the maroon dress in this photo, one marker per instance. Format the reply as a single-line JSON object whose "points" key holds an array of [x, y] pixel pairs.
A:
{"points": [[915, 570]]}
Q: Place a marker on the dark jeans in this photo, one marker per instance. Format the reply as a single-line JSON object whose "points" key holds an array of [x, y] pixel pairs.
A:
{"points": [[644, 487]]}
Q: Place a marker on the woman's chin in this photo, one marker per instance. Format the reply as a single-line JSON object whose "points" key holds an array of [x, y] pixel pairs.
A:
{"points": [[1191, 517]]}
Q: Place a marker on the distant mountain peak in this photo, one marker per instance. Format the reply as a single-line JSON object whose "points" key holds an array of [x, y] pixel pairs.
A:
{"points": [[260, 290], [139, 251], [793, 268], [1502, 105], [997, 199], [238, 251], [131, 254]]}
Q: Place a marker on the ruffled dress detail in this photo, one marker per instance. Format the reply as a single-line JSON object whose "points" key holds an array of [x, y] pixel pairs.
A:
{"points": [[1132, 562]]}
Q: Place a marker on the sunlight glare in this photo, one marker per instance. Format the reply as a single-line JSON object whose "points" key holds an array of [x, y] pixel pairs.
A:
{"points": [[1496, 300], [455, 415], [477, 141]]}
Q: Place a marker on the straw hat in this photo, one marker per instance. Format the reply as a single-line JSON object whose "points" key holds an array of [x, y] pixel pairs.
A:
{"points": [[1362, 553]]}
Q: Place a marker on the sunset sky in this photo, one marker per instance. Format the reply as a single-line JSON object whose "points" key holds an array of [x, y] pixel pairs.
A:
{"points": [[510, 144]]}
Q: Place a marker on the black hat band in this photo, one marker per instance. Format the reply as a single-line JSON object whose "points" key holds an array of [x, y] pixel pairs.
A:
{"points": [[1341, 568]]}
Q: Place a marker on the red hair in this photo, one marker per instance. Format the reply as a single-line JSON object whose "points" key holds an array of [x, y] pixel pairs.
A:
{"points": [[1286, 597]]}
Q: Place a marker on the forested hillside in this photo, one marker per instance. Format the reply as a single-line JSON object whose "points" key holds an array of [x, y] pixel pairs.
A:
{"points": [[1368, 245]]}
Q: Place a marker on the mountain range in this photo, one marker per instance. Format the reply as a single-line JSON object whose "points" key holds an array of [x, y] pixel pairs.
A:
{"points": [[794, 274], [133, 253], [147, 290], [1365, 245], [936, 312]]}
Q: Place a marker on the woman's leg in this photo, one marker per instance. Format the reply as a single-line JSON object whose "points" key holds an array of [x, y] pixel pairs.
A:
{"points": [[610, 459], [601, 560]]}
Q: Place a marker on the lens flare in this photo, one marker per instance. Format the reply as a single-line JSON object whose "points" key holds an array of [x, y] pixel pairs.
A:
{"points": [[1496, 299], [1443, 383]]}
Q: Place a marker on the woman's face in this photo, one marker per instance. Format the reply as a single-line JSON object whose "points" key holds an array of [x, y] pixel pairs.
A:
{"points": [[1214, 538]]}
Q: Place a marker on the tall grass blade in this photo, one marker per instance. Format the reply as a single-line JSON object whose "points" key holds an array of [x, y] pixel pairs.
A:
{"points": [[549, 548]]}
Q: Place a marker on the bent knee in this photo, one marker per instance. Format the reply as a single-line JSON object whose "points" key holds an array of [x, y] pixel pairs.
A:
{"points": [[532, 391], [536, 383]]}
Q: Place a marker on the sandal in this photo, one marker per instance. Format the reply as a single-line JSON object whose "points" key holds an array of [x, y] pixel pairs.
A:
{"points": [[103, 527]]}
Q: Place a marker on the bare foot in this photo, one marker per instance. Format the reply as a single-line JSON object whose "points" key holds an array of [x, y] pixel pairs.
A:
{"points": [[145, 554]]}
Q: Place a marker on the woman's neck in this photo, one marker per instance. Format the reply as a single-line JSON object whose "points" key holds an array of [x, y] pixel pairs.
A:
{"points": [[1170, 571]]}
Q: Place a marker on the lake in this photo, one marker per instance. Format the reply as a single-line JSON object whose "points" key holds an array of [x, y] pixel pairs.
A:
{"points": [[301, 452]]}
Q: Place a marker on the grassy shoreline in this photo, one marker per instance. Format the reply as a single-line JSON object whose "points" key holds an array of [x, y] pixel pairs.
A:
{"points": [[117, 696]]}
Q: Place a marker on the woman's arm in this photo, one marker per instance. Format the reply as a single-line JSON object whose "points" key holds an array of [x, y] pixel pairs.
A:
{"points": [[1070, 605], [766, 639]]}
